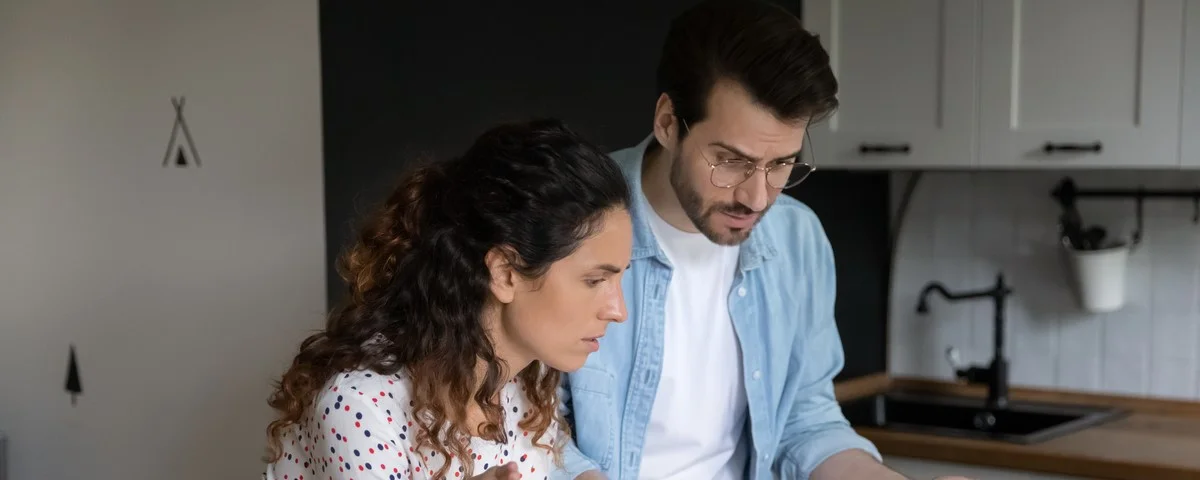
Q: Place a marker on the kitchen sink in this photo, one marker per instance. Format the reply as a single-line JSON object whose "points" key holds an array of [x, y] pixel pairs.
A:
{"points": [[965, 417]]}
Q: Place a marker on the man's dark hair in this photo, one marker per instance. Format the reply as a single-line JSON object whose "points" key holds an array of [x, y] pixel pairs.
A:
{"points": [[761, 46]]}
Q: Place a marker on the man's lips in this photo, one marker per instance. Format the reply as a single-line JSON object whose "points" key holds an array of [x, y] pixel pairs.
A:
{"points": [[740, 220]]}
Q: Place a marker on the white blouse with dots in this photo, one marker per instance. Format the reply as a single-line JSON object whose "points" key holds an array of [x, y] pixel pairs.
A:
{"points": [[362, 429]]}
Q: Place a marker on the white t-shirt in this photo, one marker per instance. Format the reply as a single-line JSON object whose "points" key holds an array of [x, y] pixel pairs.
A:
{"points": [[695, 430], [361, 427]]}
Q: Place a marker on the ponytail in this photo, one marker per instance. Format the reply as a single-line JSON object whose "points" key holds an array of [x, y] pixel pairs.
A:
{"points": [[391, 233], [369, 267]]}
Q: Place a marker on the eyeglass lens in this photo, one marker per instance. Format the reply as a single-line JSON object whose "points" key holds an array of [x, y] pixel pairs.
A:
{"points": [[732, 172]]}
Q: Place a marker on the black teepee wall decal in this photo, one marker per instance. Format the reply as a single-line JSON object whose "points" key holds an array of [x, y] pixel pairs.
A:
{"points": [[183, 157], [73, 384]]}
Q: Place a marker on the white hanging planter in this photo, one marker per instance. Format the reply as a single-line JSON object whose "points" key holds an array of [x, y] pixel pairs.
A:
{"points": [[1099, 276]]}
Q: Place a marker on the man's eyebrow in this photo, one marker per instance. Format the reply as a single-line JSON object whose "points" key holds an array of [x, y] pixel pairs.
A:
{"points": [[751, 157]]}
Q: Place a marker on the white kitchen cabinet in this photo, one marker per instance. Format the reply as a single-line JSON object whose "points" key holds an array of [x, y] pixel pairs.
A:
{"points": [[1010, 84], [907, 82], [1190, 151], [928, 469], [1080, 83]]}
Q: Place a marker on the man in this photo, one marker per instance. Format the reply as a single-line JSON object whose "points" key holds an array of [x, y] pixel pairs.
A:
{"points": [[724, 367]]}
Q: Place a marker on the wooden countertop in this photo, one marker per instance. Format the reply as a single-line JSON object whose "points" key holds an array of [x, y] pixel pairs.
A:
{"points": [[1159, 439]]}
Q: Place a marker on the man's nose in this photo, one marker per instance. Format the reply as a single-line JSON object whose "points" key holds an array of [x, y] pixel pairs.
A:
{"points": [[754, 193]]}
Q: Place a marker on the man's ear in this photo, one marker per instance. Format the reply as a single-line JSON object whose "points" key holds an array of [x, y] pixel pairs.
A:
{"points": [[666, 125], [504, 277]]}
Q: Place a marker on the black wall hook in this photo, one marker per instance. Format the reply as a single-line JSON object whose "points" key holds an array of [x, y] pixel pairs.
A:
{"points": [[1141, 201]]}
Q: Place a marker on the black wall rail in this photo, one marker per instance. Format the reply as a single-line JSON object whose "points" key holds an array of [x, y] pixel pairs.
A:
{"points": [[1067, 194]]}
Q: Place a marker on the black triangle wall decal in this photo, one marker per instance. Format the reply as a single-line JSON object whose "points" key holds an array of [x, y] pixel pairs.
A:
{"points": [[73, 384], [180, 158]]}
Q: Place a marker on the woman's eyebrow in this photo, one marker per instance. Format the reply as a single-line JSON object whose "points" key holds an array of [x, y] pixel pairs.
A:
{"points": [[609, 267]]}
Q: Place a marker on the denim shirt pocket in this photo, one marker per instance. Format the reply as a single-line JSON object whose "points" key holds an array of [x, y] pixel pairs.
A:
{"points": [[593, 412]]}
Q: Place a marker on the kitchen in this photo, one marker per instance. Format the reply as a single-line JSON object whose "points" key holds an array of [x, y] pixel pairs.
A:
{"points": [[935, 169], [1000, 121]]}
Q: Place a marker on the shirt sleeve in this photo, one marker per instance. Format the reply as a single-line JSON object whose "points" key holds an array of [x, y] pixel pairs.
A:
{"points": [[575, 462], [816, 429], [359, 439]]}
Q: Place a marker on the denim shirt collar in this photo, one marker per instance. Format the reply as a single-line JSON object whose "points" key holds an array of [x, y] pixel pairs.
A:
{"points": [[754, 251]]}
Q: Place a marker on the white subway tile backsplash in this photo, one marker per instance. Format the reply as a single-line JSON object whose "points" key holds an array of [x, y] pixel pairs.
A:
{"points": [[1078, 347], [963, 229], [1126, 374], [1173, 377]]}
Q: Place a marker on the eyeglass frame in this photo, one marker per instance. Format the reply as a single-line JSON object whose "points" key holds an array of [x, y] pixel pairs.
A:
{"points": [[754, 167]]}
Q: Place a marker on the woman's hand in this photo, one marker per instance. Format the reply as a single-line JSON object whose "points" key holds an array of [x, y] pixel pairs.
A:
{"points": [[506, 471]]}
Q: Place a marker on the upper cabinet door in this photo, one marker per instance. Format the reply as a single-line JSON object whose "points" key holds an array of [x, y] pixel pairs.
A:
{"points": [[906, 71], [1190, 154], [1080, 83]]}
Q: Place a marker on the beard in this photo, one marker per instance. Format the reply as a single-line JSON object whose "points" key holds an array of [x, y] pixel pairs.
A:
{"points": [[702, 215]]}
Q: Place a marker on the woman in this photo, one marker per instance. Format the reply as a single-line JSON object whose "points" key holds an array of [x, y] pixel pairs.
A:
{"points": [[479, 280]]}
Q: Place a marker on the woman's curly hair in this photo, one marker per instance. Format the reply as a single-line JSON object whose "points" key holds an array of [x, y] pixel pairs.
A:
{"points": [[418, 283]]}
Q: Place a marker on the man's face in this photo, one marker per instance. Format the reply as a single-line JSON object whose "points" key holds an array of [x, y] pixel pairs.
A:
{"points": [[735, 129]]}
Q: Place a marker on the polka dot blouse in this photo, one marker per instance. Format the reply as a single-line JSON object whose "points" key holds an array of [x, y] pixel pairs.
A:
{"points": [[362, 429]]}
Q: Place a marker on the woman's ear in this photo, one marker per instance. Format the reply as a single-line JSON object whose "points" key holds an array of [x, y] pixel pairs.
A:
{"points": [[504, 277]]}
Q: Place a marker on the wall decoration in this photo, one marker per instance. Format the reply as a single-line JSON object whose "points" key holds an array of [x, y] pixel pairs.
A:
{"points": [[73, 384], [183, 157]]}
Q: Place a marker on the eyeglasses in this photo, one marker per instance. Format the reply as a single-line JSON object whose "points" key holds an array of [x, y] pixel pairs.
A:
{"points": [[781, 174]]}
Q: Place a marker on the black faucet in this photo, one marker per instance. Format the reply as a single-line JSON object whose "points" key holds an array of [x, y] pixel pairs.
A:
{"points": [[996, 374]]}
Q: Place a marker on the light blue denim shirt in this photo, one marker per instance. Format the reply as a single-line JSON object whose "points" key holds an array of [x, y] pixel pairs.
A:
{"points": [[781, 304]]}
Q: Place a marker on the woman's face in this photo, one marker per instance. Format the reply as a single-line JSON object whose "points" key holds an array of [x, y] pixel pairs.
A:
{"points": [[559, 318]]}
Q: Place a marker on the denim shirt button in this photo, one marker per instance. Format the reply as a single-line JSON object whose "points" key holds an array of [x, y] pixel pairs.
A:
{"points": [[757, 374], [742, 291]]}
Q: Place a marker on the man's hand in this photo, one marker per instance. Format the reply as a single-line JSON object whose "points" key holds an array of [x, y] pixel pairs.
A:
{"points": [[506, 471], [591, 475], [857, 464], [854, 465]]}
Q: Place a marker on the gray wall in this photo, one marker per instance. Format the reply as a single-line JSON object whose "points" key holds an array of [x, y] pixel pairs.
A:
{"points": [[185, 291]]}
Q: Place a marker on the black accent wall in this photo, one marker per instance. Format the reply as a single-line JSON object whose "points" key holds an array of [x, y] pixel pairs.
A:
{"points": [[853, 208], [402, 80]]}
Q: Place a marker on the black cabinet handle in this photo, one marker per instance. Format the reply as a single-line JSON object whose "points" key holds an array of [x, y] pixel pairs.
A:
{"points": [[866, 148], [1095, 147]]}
